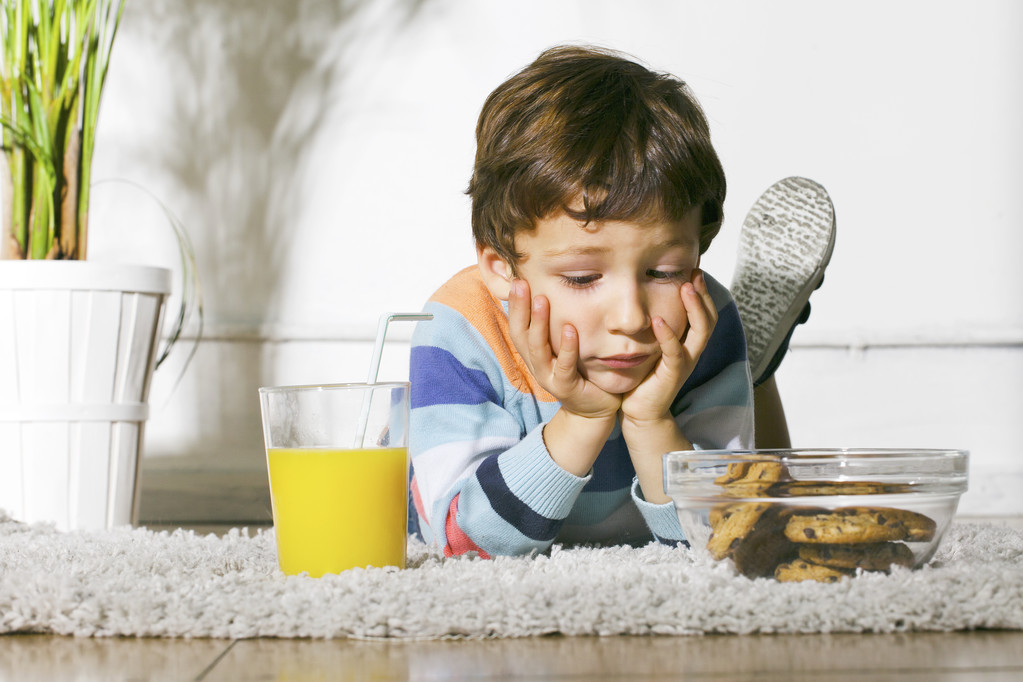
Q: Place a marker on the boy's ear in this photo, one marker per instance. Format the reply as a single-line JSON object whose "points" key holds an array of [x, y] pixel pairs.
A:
{"points": [[496, 272]]}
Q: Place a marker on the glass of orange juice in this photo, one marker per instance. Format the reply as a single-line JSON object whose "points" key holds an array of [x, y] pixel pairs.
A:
{"points": [[337, 456]]}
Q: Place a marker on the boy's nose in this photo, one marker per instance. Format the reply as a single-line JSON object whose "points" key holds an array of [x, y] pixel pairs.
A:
{"points": [[628, 312]]}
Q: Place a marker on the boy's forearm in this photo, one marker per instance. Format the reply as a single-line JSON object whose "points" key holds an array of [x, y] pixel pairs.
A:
{"points": [[574, 441], [648, 442]]}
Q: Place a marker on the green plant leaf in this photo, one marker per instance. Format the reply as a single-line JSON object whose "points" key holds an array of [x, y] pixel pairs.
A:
{"points": [[54, 59]]}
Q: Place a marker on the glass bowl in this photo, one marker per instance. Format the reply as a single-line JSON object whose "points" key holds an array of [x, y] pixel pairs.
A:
{"points": [[823, 514]]}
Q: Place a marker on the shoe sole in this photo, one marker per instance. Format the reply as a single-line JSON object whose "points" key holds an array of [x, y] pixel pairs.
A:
{"points": [[785, 244]]}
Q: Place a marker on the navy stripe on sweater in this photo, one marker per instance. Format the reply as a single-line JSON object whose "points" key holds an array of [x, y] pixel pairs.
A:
{"points": [[510, 508], [613, 468]]}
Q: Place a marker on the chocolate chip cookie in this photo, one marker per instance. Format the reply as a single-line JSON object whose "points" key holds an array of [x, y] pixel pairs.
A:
{"points": [[751, 479], [858, 525], [799, 570], [878, 556], [733, 524], [823, 488]]}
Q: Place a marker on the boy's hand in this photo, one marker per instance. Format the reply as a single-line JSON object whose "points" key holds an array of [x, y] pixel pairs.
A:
{"points": [[647, 425], [652, 399], [529, 320]]}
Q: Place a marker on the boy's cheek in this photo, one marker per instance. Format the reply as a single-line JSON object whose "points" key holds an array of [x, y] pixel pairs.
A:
{"points": [[555, 332], [672, 311]]}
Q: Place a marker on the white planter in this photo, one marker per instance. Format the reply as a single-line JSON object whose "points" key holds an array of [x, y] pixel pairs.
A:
{"points": [[77, 347]]}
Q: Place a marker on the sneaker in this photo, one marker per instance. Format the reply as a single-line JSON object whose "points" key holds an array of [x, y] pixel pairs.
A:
{"points": [[785, 244]]}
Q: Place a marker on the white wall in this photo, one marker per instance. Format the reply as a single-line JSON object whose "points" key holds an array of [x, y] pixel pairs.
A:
{"points": [[317, 152]]}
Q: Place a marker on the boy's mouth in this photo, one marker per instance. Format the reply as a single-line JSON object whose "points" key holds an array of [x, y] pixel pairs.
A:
{"points": [[624, 361]]}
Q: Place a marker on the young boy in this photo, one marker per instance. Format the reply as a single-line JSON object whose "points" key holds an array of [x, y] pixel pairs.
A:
{"points": [[586, 342]]}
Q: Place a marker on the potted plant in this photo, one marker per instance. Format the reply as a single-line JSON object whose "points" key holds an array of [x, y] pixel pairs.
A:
{"points": [[78, 339]]}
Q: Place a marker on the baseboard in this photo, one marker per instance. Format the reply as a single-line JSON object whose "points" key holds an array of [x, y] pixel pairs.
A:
{"points": [[197, 497]]}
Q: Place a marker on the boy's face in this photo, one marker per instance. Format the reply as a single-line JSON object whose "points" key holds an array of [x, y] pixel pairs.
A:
{"points": [[608, 280]]}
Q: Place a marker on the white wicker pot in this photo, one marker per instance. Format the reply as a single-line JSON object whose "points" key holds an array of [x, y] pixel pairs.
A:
{"points": [[77, 347]]}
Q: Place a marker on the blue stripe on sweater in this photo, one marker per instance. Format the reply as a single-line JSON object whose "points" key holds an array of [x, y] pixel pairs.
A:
{"points": [[439, 425], [510, 508], [727, 346], [443, 380], [593, 507], [730, 392]]}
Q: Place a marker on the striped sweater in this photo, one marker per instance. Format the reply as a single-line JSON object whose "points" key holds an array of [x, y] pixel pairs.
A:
{"points": [[482, 478]]}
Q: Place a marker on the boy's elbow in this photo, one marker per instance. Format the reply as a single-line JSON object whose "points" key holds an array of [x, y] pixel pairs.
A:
{"points": [[457, 541]]}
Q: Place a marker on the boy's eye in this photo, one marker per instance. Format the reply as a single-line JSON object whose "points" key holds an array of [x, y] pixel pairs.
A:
{"points": [[579, 281], [667, 275]]}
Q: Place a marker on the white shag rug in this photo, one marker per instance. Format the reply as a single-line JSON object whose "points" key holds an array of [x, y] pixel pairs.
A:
{"points": [[136, 582]]}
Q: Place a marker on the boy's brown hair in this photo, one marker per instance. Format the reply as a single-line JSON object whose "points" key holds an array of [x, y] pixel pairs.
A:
{"points": [[589, 122]]}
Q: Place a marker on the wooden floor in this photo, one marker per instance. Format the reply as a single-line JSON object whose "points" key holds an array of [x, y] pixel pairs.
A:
{"points": [[912, 657], [981, 656]]}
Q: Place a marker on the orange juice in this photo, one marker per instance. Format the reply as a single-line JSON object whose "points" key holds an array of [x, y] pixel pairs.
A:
{"points": [[336, 509]]}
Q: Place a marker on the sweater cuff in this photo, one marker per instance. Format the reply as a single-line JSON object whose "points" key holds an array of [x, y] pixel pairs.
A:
{"points": [[662, 519], [537, 480]]}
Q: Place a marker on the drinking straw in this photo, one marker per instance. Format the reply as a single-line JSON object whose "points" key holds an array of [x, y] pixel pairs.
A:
{"points": [[374, 366]]}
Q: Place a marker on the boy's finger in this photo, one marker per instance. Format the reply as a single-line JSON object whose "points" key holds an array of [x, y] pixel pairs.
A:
{"points": [[700, 284], [518, 312], [539, 331], [702, 319], [672, 349], [671, 346], [568, 355]]}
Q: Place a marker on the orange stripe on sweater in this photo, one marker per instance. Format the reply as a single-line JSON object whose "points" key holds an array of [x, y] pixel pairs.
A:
{"points": [[467, 294], [458, 542], [417, 501]]}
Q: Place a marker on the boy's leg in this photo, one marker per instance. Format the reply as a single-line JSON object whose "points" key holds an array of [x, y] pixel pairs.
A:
{"points": [[785, 245], [772, 430]]}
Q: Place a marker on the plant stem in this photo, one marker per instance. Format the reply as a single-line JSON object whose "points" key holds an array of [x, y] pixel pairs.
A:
{"points": [[20, 184], [40, 217], [70, 244]]}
